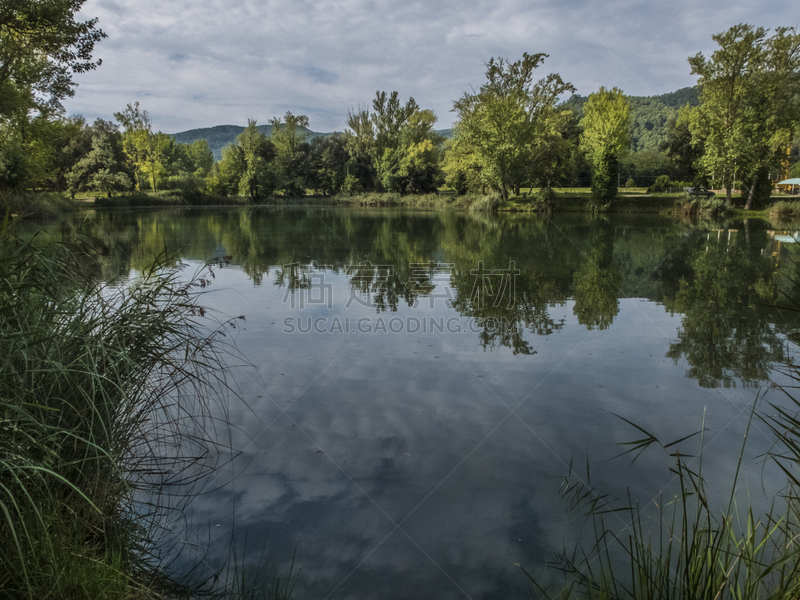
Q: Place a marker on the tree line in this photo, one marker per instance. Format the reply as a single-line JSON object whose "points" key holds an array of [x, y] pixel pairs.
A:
{"points": [[517, 130]]}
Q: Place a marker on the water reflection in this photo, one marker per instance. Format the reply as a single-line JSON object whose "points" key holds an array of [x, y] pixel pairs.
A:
{"points": [[420, 464], [721, 282]]}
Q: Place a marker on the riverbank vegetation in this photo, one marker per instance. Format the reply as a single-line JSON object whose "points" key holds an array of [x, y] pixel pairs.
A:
{"points": [[104, 393], [105, 406], [518, 130]]}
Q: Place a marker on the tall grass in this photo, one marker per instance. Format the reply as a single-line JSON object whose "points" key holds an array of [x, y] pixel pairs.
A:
{"points": [[701, 544], [104, 401]]}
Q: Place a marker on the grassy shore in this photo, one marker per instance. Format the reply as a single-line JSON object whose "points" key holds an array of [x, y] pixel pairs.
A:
{"points": [[565, 201], [629, 201], [103, 391]]}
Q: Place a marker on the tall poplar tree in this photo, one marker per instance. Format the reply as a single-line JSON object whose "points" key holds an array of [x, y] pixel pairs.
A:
{"points": [[605, 139]]}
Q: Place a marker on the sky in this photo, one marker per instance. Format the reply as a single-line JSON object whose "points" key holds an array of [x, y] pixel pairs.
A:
{"points": [[200, 63]]}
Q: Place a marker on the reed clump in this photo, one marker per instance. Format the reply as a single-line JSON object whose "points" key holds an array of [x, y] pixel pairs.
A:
{"points": [[700, 543], [106, 394]]}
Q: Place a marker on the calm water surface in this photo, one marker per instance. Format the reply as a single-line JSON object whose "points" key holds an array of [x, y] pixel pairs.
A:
{"points": [[419, 383]]}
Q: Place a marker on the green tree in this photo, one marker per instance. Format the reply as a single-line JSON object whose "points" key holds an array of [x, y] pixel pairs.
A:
{"points": [[502, 122], [98, 169], [200, 158], [684, 151], [750, 92], [605, 139], [41, 47], [724, 121], [329, 158], [137, 129], [394, 147], [289, 137], [254, 153], [360, 141]]}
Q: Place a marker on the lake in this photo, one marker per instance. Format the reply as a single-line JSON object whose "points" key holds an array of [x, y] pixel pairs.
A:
{"points": [[418, 384]]}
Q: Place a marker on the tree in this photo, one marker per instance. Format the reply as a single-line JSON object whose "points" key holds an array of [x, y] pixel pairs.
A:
{"points": [[254, 153], [749, 88], [137, 129], [360, 138], [41, 46], [98, 169], [394, 148], [605, 139], [724, 121], [328, 159], [151, 155], [684, 152], [502, 122], [199, 157], [291, 152]]}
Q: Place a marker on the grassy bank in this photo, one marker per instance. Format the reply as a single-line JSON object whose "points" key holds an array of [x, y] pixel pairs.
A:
{"points": [[102, 394], [36, 207], [562, 202]]}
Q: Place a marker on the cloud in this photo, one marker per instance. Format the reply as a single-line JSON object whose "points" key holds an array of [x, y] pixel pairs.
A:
{"points": [[224, 61]]}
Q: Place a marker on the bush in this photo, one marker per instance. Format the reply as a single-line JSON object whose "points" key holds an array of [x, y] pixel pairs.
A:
{"points": [[488, 203], [702, 207], [785, 210], [660, 185], [545, 200], [630, 183]]}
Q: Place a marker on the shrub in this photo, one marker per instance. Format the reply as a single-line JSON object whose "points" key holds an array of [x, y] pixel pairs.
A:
{"points": [[488, 203]]}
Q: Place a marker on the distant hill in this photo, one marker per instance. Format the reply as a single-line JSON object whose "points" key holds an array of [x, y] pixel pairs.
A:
{"points": [[648, 122], [220, 136], [649, 115]]}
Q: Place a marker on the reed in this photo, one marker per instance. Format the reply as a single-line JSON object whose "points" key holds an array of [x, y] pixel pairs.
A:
{"points": [[107, 403], [701, 544]]}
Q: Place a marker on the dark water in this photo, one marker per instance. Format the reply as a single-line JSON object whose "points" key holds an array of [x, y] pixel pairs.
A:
{"points": [[421, 382]]}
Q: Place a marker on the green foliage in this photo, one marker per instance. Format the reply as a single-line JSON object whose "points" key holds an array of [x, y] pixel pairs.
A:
{"points": [[41, 46], [488, 203], [545, 200], [597, 279], [328, 164], [511, 121], [605, 139], [604, 180], [394, 148], [645, 165], [291, 151], [650, 115], [785, 210], [150, 154], [351, 185], [750, 87], [661, 184], [605, 122], [98, 170], [630, 183], [252, 156]]}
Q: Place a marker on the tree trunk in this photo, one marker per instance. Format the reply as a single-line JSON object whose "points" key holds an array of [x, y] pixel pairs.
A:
{"points": [[728, 194], [751, 195], [516, 189]]}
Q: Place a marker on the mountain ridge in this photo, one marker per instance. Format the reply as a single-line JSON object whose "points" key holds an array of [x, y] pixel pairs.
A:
{"points": [[649, 116]]}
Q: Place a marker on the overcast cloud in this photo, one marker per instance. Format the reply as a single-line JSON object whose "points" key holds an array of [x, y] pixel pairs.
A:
{"points": [[198, 64]]}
